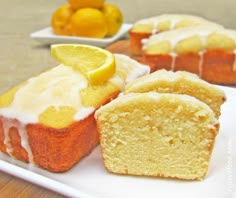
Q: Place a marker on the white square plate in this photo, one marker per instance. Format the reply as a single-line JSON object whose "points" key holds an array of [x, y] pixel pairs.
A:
{"points": [[46, 36], [90, 179]]}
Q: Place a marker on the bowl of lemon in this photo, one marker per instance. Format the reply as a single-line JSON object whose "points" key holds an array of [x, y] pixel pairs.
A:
{"points": [[86, 22]]}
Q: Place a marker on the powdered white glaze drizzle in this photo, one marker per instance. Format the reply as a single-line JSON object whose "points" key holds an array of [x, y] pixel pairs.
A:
{"points": [[6, 125], [174, 19], [177, 35], [25, 142]]}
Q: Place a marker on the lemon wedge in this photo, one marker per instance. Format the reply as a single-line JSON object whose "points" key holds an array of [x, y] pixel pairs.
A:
{"points": [[96, 64]]}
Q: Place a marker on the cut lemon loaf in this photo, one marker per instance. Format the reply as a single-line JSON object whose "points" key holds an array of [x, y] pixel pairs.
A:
{"points": [[144, 28], [49, 119], [180, 82], [208, 51], [157, 134]]}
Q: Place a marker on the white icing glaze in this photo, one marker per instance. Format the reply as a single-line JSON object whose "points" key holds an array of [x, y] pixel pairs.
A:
{"points": [[9, 123], [177, 35], [24, 142], [6, 126], [174, 19], [47, 89], [84, 112], [50, 89], [133, 68]]}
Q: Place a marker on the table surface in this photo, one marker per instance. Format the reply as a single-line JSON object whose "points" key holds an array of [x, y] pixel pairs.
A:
{"points": [[21, 57]]}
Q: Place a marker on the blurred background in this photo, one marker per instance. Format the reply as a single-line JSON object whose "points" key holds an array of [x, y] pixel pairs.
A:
{"points": [[21, 57], [220, 11]]}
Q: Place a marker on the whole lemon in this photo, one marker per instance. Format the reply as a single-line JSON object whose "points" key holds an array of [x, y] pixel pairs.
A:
{"points": [[60, 20], [113, 17], [77, 4], [88, 22]]}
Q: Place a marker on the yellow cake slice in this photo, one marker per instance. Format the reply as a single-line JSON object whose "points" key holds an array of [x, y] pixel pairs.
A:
{"points": [[180, 82], [49, 119], [157, 134]]}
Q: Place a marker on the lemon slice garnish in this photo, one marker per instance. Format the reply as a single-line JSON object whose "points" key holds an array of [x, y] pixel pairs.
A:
{"points": [[96, 64]]}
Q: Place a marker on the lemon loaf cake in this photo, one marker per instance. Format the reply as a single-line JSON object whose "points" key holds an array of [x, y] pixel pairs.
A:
{"points": [[49, 119], [205, 50], [157, 134], [144, 28], [180, 82]]}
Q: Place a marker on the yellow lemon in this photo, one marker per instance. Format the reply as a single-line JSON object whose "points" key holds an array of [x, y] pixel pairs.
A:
{"points": [[88, 22], [77, 4], [113, 17], [60, 20], [97, 64]]}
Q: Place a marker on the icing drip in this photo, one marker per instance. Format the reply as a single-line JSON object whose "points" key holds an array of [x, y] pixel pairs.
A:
{"points": [[173, 55], [7, 125], [200, 64], [234, 64], [155, 29], [173, 23], [24, 142]]}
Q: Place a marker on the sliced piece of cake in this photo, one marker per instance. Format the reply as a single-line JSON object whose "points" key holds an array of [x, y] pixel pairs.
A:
{"points": [[180, 82], [153, 134]]}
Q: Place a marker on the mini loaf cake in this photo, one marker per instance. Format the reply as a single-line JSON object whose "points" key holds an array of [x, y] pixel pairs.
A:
{"points": [[49, 119], [179, 82], [144, 28], [205, 50], [157, 134]]}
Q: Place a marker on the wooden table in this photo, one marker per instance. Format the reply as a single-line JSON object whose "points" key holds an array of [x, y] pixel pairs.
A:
{"points": [[22, 57], [13, 187]]}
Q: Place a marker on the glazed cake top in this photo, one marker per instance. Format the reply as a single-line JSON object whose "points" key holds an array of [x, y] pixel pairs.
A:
{"points": [[64, 95], [168, 22], [191, 39]]}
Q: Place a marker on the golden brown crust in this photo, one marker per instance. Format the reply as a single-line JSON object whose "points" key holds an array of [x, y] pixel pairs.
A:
{"points": [[135, 41], [215, 66], [2, 145], [56, 150], [218, 67]]}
